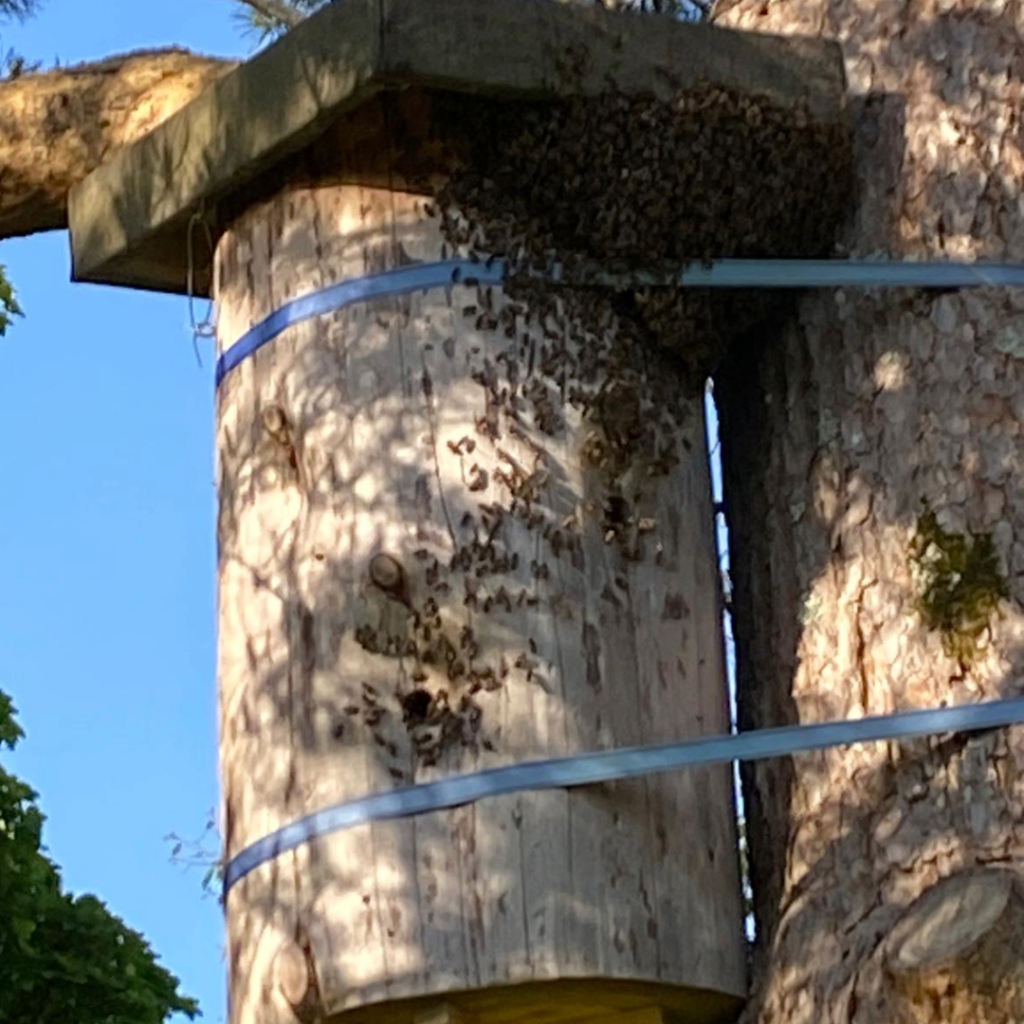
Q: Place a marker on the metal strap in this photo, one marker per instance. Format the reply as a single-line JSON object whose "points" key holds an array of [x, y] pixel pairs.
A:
{"points": [[606, 766], [611, 765], [719, 274], [389, 283], [806, 274]]}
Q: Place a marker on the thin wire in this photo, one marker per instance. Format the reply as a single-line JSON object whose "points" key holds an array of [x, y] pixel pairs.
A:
{"points": [[205, 328]]}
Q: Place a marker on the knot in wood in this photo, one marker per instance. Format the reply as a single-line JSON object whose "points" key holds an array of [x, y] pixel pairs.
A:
{"points": [[387, 573], [274, 420], [416, 706], [296, 980]]}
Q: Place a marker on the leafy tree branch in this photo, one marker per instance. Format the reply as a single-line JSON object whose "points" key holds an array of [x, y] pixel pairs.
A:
{"points": [[65, 958]]}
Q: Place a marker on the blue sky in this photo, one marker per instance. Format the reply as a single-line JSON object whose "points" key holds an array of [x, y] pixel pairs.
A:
{"points": [[107, 623]]}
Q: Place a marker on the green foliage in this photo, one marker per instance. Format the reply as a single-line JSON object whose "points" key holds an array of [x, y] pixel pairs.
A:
{"points": [[745, 876], [65, 959], [9, 307], [270, 18], [203, 853], [11, 63], [18, 8], [14, 65], [959, 584]]}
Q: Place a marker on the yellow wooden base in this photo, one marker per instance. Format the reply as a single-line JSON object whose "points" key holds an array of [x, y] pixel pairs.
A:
{"points": [[576, 1001]]}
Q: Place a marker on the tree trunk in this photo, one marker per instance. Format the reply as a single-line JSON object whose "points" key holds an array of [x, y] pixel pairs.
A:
{"points": [[874, 470], [57, 126], [445, 545]]}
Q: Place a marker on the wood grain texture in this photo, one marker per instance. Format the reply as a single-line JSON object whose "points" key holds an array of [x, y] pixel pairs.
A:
{"points": [[420, 575]]}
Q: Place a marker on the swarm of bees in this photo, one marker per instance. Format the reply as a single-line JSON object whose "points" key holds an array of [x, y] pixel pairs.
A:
{"points": [[609, 179], [634, 180]]}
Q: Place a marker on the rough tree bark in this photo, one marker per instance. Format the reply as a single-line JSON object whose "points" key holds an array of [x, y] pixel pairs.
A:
{"points": [[865, 442], [57, 126]]}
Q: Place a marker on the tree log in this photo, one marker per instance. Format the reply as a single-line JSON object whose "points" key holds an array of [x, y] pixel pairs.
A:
{"points": [[843, 433], [429, 565], [57, 126]]}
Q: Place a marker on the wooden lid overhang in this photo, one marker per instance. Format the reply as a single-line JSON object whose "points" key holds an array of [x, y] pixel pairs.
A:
{"points": [[130, 218]]}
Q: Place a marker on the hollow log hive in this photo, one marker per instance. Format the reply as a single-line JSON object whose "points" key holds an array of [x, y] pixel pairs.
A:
{"points": [[471, 526]]}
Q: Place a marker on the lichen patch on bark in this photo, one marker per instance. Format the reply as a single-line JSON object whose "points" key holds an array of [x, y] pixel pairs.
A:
{"points": [[959, 584]]}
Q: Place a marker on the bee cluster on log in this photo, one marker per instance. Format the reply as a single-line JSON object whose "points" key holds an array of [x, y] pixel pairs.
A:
{"points": [[617, 374], [629, 181]]}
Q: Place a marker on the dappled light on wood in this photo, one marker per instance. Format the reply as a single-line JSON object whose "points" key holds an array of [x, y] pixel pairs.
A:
{"points": [[424, 572], [469, 526]]}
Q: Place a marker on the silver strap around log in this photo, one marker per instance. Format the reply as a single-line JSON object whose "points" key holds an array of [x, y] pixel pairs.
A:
{"points": [[625, 763], [772, 274]]}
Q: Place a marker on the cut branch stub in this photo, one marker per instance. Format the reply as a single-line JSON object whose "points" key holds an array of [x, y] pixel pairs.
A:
{"points": [[387, 573], [291, 973], [959, 947], [295, 978]]}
